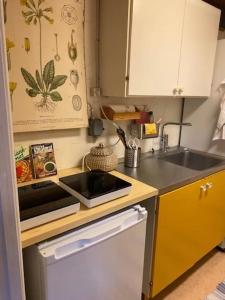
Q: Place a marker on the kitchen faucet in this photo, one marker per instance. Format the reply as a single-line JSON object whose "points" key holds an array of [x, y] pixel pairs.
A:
{"points": [[164, 137]]}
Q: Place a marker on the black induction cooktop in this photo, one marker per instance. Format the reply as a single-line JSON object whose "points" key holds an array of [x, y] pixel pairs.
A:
{"points": [[43, 198], [93, 184]]}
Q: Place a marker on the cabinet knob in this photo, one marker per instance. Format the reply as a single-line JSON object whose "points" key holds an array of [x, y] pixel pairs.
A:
{"points": [[209, 185], [175, 91], [180, 91], [203, 188]]}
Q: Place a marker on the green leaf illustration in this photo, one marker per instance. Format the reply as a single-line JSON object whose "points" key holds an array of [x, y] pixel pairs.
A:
{"points": [[43, 82], [55, 96], [50, 20], [49, 73], [39, 2], [32, 3], [27, 13], [28, 5], [29, 79], [48, 9], [32, 93], [38, 78], [29, 20], [58, 81]]}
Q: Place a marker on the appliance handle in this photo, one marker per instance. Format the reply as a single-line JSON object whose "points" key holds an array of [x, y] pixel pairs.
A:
{"points": [[79, 245]]}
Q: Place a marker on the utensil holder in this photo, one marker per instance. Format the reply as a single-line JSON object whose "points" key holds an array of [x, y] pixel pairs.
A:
{"points": [[132, 157]]}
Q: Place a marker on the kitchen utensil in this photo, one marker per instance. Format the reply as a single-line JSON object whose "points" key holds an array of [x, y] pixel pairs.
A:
{"points": [[133, 143], [122, 136]]}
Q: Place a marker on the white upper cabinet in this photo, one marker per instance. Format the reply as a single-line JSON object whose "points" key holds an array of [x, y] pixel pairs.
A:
{"points": [[155, 39], [198, 48], [157, 48]]}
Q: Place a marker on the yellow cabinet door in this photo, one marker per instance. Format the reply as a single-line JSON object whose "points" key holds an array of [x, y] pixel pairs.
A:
{"points": [[216, 194], [190, 223]]}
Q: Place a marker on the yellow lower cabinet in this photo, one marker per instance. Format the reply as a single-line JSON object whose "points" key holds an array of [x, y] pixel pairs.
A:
{"points": [[216, 194], [190, 223]]}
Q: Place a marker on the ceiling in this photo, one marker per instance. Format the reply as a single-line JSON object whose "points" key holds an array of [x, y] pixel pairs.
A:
{"points": [[221, 5]]}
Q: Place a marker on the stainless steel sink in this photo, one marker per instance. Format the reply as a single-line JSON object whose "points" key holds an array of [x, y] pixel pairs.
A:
{"points": [[192, 160]]}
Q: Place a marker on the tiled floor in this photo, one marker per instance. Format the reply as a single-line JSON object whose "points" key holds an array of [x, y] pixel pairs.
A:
{"points": [[197, 283]]}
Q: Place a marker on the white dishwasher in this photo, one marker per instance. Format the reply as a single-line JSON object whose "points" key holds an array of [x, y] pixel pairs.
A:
{"points": [[101, 261]]}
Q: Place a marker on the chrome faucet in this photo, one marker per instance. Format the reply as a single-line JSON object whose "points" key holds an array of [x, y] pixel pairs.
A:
{"points": [[165, 138]]}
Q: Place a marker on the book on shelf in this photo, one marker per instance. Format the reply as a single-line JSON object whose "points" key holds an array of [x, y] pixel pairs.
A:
{"points": [[43, 160], [23, 164]]}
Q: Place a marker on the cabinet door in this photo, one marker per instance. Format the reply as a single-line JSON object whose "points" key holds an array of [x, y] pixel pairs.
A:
{"points": [[201, 23], [216, 195], [113, 46], [155, 39], [190, 223]]}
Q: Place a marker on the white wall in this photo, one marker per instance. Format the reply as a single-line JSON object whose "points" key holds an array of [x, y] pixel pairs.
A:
{"points": [[71, 145]]}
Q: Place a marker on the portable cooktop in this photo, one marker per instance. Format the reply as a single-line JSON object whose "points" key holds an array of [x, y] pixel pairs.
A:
{"points": [[43, 202], [95, 187]]}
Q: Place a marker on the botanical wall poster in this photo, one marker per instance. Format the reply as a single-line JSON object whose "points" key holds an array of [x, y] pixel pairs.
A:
{"points": [[45, 56]]}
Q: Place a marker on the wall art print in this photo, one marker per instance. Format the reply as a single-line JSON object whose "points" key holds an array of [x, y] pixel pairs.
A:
{"points": [[45, 54]]}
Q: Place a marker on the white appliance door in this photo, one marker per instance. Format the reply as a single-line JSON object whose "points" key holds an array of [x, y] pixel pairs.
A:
{"points": [[103, 261]]}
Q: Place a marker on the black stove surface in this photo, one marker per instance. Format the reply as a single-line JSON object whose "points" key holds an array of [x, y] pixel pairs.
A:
{"points": [[40, 198], [93, 184]]}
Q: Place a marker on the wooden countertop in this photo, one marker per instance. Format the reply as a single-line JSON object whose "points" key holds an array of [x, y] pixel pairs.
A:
{"points": [[139, 192]]}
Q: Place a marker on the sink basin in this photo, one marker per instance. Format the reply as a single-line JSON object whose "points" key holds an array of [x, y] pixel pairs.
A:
{"points": [[192, 160]]}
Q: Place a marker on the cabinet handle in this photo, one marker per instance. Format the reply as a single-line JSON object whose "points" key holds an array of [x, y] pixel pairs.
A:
{"points": [[175, 91], [209, 185], [180, 91], [203, 188]]}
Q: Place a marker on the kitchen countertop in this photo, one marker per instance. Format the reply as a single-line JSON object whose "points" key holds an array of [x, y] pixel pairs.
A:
{"points": [[166, 176], [139, 192]]}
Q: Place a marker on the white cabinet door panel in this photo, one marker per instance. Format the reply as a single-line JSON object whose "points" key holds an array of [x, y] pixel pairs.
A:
{"points": [[155, 39], [198, 48]]}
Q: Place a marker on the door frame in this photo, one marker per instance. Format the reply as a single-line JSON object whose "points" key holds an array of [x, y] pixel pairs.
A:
{"points": [[11, 266]]}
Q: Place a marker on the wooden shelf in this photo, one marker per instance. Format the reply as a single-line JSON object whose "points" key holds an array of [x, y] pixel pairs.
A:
{"points": [[123, 116]]}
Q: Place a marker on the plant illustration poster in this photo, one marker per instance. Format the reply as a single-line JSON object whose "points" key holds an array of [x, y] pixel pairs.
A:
{"points": [[45, 57]]}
